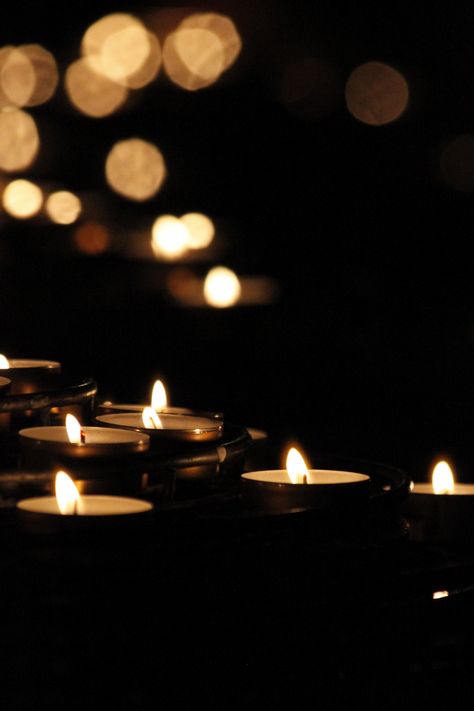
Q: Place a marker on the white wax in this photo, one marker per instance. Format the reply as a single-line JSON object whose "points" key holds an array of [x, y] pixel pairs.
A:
{"points": [[168, 410], [427, 488], [94, 435], [87, 506], [169, 422], [315, 476], [28, 363]]}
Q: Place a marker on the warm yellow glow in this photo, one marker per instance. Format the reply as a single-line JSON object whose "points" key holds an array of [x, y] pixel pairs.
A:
{"points": [[91, 92], [19, 140], [4, 362], [438, 594], [376, 93], [221, 287], [67, 494], [22, 199], [73, 429], [135, 169], [442, 479], [150, 67], [296, 467], [63, 207], [169, 237], [221, 26], [159, 399], [200, 230], [150, 419], [45, 71], [17, 77], [125, 52], [92, 238], [193, 58]]}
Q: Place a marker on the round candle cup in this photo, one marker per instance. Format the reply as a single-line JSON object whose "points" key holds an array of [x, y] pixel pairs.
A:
{"points": [[326, 489], [29, 376], [441, 518], [107, 408], [5, 384], [41, 514], [176, 428]]}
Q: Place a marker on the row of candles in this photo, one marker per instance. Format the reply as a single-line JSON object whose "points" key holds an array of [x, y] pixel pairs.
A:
{"points": [[125, 430]]}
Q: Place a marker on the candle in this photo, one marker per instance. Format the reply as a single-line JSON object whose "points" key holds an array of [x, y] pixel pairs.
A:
{"points": [[69, 509], [164, 428], [29, 376], [93, 453], [441, 511], [298, 487], [159, 402]]}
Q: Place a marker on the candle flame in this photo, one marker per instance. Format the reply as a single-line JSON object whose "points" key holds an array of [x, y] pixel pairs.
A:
{"points": [[73, 429], [4, 364], [442, 479], [296, 467], [67, 494], [150, 419], [159, 398]]}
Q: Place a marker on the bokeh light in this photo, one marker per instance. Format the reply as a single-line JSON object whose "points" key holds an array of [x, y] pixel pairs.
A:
{"points": [[63, 207], [93, 93], [376, 94], [200, 230], [135, 169], [221, 287], [221, 26], [17, 78], [22, 199], [193, 58], [19, 140], [169, 237], [45, 71], [457, 163], [92, 238]]}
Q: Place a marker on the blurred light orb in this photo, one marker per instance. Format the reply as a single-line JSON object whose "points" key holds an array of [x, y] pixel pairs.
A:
{"points": [[169, 237], [92, 238], [135, 169], [63, 207], [200, 228], [376, 94], [22, 199], [457, 163], [223, 27], [17, 78], [221, 287], [193, 58], [122, 49], [45, 70], [19, 140], [92, 93]]}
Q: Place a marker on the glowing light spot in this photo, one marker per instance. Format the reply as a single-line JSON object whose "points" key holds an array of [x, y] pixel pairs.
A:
{"points": [[296, 467], [439, 594], [169, 237], [221, 287], [92, 238], [17, 77], [45, 70], [92, 93], [442, 479], [63, 207], [193, 58], [457, 163], [150, 419], [22, 199], [135, 169], [200, 230], [4, 363], [376, 94], [19, 140], [223, 27]]}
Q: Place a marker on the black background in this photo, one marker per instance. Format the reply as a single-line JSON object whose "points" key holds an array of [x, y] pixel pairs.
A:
{"points": [[367, 351]]}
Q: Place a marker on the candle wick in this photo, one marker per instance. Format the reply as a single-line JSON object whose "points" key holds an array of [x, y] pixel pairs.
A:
{"points": [[83, 437]]}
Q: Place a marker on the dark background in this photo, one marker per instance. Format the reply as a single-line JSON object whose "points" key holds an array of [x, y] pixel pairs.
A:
{"points": [[367, 351]]}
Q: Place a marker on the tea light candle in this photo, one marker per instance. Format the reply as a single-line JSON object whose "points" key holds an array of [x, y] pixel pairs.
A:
{"points": [[29, 376], [68, 508], [159, 403], [300, 487], [172, 428], [441, 511]]}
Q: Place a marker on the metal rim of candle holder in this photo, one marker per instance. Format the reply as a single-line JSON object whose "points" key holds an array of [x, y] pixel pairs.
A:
{"points": [[73, 391]]}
